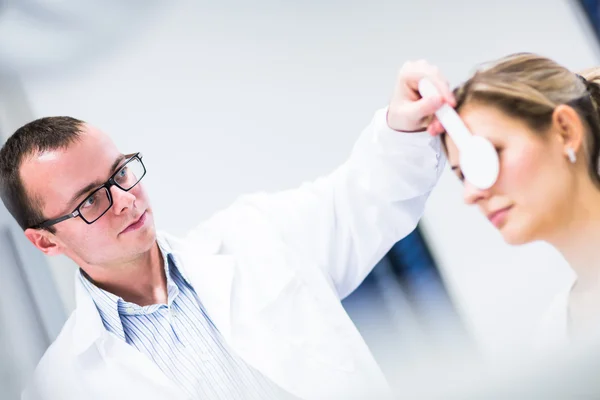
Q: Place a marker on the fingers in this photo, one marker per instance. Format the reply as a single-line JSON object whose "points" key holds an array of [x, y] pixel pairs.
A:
{"points": [[408, 111], [413, 71], [425, 107], [443, 88], [435, 128]]}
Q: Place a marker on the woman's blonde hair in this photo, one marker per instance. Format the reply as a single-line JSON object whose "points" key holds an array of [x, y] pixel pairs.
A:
{"points": [[529, 87]]}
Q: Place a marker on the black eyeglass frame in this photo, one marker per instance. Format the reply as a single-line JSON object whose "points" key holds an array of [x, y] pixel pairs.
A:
{"points": [[106, 186]]}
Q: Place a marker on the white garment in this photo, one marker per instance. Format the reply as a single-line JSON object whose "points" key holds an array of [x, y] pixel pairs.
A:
{"points": [[552, 331], [271, 270]]}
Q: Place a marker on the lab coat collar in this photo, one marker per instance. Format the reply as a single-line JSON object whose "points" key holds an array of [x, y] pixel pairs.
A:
{"points": [[209, 272], [202, 256], [88, 323]]}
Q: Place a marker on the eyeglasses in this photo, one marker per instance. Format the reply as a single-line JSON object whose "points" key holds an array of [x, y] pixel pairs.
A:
{"points": [[100, 200]]}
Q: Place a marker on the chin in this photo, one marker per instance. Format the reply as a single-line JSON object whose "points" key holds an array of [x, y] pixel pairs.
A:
{"points": [[516, 235], [149, 233], [514, 240], [145, 237]]}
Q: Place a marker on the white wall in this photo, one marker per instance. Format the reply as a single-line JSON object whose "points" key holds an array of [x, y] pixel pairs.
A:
{"points": [[230, 98]]}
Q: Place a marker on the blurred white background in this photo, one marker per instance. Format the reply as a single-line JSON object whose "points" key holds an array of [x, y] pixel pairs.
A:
{"points": [[232, 97]]}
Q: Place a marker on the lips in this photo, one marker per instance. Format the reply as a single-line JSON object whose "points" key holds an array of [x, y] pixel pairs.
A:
{"points": [[499, 216], [134, 224]]}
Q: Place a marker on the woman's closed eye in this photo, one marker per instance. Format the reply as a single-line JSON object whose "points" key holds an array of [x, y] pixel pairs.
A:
{"points": [[458, 172]]}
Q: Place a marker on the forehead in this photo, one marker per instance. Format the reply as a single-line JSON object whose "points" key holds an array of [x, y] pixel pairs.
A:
{"points": [[55, 176], [490, 123]]}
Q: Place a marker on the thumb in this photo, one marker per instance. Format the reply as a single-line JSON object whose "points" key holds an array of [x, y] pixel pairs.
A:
{"points": [[425, 107]]}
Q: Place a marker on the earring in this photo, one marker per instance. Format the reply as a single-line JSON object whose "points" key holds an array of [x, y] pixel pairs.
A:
{"points": [[571, 155]]}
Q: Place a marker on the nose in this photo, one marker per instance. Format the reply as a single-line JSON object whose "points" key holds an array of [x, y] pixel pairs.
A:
{"points": [[122, 200], [472, 194]]}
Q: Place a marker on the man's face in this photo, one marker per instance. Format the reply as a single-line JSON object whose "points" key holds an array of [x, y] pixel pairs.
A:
{"points": [[55, 177]]}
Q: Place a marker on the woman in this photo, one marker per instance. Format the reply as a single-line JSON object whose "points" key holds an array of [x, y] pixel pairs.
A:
{"points": [[544, 121]]}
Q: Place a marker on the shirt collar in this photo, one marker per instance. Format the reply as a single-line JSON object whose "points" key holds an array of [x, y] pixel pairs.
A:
{"points": [[107, 305], [111, 307]]}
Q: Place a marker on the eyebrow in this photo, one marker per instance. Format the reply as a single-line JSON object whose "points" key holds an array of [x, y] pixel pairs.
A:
{"points": [[96, 184]]}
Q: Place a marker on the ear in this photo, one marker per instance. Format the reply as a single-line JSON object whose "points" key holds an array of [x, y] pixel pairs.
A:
{"points": [[569, 127], [46, 241]]}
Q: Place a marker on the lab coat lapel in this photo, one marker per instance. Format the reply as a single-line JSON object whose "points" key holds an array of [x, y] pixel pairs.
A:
{"points": [[268, 312], [109, 365], [210, 273], [136, 370], [214, 275]]}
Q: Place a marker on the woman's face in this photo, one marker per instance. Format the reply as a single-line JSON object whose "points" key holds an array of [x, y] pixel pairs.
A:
{"points": [[532, 195]]}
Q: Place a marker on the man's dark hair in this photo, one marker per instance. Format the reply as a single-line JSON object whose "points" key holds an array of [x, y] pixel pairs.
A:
{"points": [[44, 134]]}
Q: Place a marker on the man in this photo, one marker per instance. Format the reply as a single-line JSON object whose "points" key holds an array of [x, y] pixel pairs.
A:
{"points": [[248, 304]]}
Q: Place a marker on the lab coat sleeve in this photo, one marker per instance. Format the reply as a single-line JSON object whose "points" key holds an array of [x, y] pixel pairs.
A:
{"points": [[348, 220]]}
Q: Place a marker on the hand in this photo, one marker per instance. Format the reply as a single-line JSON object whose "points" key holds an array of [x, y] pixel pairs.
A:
{"points": [[408, 111]]}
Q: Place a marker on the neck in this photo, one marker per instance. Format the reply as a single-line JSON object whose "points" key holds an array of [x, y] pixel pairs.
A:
{"points": [[579, 238], [141, 280]]}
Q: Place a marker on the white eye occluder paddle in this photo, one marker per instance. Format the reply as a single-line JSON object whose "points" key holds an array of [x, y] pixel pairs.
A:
{"points": [[477, 156]]}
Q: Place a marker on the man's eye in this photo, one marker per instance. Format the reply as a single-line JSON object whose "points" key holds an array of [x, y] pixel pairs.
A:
{"points": [[89, 201], [122, 174]]}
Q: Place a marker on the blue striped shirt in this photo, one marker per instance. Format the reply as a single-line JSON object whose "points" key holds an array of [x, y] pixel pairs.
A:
{"points": [[182, 340]]}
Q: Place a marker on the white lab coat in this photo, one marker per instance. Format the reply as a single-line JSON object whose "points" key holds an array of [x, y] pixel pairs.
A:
{"points": [[271, 270]]}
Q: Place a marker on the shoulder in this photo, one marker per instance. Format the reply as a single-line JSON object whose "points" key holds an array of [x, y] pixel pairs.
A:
{"points": [[245, 216], [53, 370]]}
